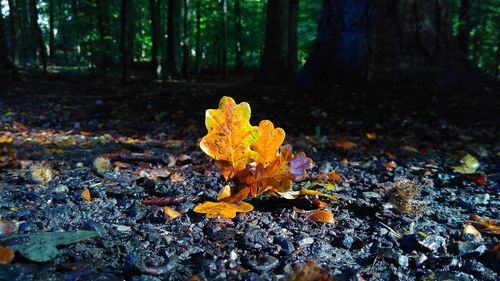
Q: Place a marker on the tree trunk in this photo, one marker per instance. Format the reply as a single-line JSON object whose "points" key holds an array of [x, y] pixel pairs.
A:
{"points": [[477, 34], [5, 62], [38, 35], [124, 14], [52, 48], [131, 33], [237, 28], [497, 65], [153, 8], [223, 7], [293, 62], [74, 11], [13, 34], [91, 42], [465, 25], [104, 35], [198, 37], [185, 41], [274, 64], [403, 42], [62, 24], [174, 11]]}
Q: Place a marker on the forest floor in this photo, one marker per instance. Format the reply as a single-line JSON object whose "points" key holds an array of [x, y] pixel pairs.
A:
{"points": [[373, 140]]}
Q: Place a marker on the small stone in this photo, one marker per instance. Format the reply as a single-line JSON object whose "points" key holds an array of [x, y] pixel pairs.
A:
{"points": [[122, 228], [469, 249], [432, 242], [403, 261], [61, 189], [264, 263], [306, 241], [347, 241], [370, 194]]}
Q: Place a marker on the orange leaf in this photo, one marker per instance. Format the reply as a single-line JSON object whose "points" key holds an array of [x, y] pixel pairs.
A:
{"points": [[319, 204], [224, 193], [171, 213], [485, 225], [222, 209], [230, 136], [371, 136], [268, 144], [6, 255], [238, 197], [347, 145], [86, 194], [321, 216]]}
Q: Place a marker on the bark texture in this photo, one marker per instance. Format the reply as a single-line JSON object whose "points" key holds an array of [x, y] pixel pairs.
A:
{"points": [[405, 42]]}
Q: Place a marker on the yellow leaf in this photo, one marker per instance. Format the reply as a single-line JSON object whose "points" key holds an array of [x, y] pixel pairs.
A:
{"points": [[224, 193], [222, 209], [371, 136], [230, 136], [268, 144], [171, 213], [317, 193], [86, 194], [468, 165]]}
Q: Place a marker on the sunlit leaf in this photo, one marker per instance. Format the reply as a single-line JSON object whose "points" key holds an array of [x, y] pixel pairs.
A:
{"points": [[222, 209], [371, 136], [225, 192], [469, 229], [268, 144], [321, 216], [468, 165], [86, 194], [318, 193], [230, 136], [171, 213], [485, 225]]}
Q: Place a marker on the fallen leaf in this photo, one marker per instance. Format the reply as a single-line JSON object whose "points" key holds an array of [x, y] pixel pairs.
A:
{"points": [[319, 204], [347, 145], [222, 209], [479, 179], [321, 216], [391, 165], [310, 272], [468, 165], [484, 225], [225, 192], [230, 136], [6, 255], [268, 144], [86, 194], [176, 178], [171, 213], [317, 193], [120, 165], [469, 229], [371, 136]]}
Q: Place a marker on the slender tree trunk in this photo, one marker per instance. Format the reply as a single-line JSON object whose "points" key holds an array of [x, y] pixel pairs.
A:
{"points": [[62, 23], [293, 62], [104, 34], [74, 10], [174, 11], [91, 42], [477, 34], [13, 35], [198, 37], [465, 26], [497, 65], [5, 62], [274, 64], [123, 38], [223, 7], [52, 48], [38, 35], [237, 28], [185, 41], [131, 34], [153, 7]]}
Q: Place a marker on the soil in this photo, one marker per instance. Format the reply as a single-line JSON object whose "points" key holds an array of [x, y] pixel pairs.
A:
{"points": [[65, 123]]}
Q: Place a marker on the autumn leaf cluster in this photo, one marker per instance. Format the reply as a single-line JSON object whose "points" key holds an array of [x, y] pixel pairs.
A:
{"points": [[250, 155]]}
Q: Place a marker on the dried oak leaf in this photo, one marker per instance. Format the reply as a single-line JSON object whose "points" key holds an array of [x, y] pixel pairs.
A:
{"points": [[269, 142], [230, 136], [222, 209], [484, 225], [280, 174]]}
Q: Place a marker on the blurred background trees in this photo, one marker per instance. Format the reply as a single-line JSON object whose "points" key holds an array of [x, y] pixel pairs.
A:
{"points": [[192, 38]]}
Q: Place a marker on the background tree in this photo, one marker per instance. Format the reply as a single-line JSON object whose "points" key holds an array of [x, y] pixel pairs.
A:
{"points": [[185, 39], [13, 34], [38, 35], [154, 6], [5, 62], [124, 18], [174, 11], [407, 42]]}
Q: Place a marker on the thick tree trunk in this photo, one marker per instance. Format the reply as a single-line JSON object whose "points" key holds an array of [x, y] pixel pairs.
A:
{"points": [[52, 48], [223, 8], [62, 24], [155, 33], [198, 37], [131, 33], [124, 14], [174, 11], [13, 33], [104, 36], [38, 35], [185, 40], [463, 36], [274, 64], [403, 42], [293, 62], [479, 20], [237, 30], [5, 62], [74, 11]]}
